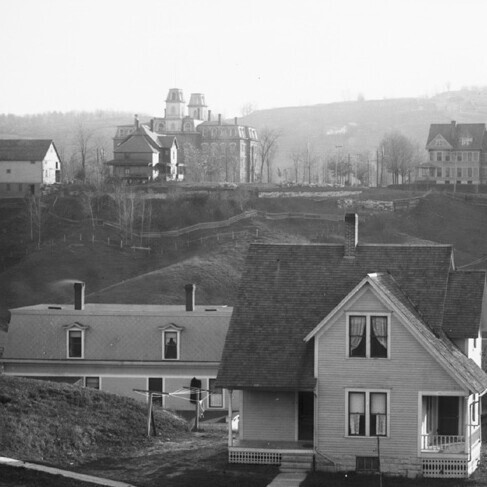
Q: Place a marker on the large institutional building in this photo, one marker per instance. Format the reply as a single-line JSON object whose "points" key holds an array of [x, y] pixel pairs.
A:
{"points": [[209, 148]]}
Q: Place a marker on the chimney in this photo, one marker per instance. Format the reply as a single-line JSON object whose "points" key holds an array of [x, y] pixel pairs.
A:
{"points": [[351, 234], [219, 119], [209, 115], [452, 125], [152, 125], [136, 121], [79, 295], [236, 121], [190, 296]]}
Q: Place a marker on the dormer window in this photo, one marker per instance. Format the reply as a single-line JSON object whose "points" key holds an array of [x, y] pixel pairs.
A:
{"points": [[171, 342], [75, 340], [368, 336]]}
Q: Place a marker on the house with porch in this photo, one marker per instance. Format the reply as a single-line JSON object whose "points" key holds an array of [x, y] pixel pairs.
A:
{"points": [[457, 154], [27, 165], [357, 357], [144, 155], [124, 349]]}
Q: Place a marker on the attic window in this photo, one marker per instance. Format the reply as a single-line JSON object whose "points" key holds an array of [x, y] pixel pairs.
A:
{"points": [[171, 341], [368, 336], [466, 140]]}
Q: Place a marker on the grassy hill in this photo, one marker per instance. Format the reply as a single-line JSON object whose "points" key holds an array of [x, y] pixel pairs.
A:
{"points": [[64, 424], [120, 275]]}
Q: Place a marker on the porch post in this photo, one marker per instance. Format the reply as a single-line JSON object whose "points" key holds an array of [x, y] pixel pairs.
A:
{"points": [[230, 414], [466, 422]]}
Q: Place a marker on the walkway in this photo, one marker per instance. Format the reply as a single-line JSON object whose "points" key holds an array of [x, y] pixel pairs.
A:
{"points": [[288, 480], [65, 473]]}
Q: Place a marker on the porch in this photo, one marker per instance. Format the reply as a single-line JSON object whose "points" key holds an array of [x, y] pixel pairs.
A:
{"points": [[267, 452]]}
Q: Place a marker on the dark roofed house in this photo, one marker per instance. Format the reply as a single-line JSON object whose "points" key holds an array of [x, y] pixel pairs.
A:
{"points": [[26, 165], [457, 154], [349, 345], [144, 155]]}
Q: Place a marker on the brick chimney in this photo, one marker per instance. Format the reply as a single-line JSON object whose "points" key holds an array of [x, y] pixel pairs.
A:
{"points": [[152, 125], [190, 296], [219, 119], [136, 121], [351, 234], [79, 295], [452, 128]]}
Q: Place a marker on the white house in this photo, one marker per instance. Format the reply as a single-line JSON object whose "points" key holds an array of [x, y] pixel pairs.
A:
{"points": [[26, 165]]}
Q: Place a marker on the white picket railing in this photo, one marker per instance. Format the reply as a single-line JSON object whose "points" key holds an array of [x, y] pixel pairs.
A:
{"points": [[441, 442]]}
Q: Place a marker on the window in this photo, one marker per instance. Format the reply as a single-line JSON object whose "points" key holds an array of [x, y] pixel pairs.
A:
{"points": [[476, 157], [32, 162], [447, 172], [92, 382], [9, 171], [447, 156], [438, 172], [216, 395], [8, 187], [367, 413], [367, 464], [469, 172], [439, 156], [171, 345], [368, 336], [469, 156], [459, 172], [459, 157], [155, 385], [75, 343]]}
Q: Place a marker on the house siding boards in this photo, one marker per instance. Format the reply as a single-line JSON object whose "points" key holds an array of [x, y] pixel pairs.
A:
{"points": [[123, 345], [269, 416], [26, 165], [408, 371]]}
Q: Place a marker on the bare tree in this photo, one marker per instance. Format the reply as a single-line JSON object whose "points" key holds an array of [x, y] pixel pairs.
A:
{"points": [[309, 159], [295, 156], [268, 145], [82, 143], [398, 152], [247, 109]]}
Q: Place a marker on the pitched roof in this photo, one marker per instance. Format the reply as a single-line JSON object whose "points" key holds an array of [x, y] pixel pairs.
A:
{"points": [[286, 290], [166, 141], [466, 370], [463, 304], [457, 135], [117, 332], [24, 149]]}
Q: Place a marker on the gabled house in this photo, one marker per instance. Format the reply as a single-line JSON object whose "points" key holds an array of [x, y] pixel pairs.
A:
{"points": [[457, 154], [122, 348], [144, 155], [26, 165], [358, 355]]}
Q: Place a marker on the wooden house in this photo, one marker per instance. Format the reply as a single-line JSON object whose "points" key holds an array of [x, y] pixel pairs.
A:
{"points": [[357, 357], [27, 165], [123, 348]]}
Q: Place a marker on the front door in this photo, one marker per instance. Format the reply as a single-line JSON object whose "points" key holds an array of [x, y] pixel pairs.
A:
{"points": [[305, 415], [448, 415]]}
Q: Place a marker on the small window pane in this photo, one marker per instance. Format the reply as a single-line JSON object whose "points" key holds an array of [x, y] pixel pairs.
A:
{"points": [[170, 345], [357, 342], [92, 382], [216, 395], [75, 343], [378, 414], [357, 414], [378, 336]]}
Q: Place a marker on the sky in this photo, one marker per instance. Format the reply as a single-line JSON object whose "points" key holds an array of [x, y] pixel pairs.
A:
{"points": [[63, 55]]}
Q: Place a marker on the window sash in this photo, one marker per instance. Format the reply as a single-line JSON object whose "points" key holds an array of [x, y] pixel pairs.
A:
{"points": [[367, 413], [171, 345], [75, 344], [216, 395], [92, 382], [368, 336]]}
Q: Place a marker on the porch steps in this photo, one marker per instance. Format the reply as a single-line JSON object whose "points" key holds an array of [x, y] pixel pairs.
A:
{"points": [[296, 462]]}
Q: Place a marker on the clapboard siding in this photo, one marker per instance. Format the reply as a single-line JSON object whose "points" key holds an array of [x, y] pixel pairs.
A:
{"points": [[125, 386], [269, 416], [409, 369]]}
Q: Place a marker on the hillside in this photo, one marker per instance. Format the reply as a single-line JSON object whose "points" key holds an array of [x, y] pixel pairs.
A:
{"points": [[63, 424], [358, 126], [120, 275]]}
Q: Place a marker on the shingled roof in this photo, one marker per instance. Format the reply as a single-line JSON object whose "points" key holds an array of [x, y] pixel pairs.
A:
{"points": [[24, 149], [286, 290], [454, 133]]}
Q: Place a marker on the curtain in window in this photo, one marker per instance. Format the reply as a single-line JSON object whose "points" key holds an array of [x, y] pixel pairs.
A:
{"points": [[378, 414], [357, 332], [356, 413], [379, 329]]}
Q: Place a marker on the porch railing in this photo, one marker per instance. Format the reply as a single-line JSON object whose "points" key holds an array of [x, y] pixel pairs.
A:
{"points": [[442, 442]]}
